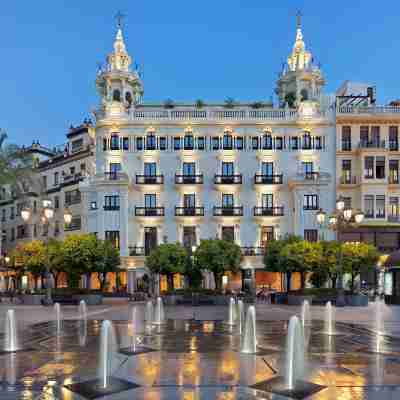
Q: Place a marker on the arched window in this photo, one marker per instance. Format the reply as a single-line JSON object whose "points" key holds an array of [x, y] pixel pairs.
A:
{"points": [[116, 95], [128, 97], [304, 94]]}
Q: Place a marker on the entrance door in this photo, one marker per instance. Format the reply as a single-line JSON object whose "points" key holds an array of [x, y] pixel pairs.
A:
{"points": [[150, 239]]}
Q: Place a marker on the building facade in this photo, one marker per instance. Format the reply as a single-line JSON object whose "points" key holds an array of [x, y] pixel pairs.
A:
{"points": [[367, 164], [185, 172], [56, 177]]}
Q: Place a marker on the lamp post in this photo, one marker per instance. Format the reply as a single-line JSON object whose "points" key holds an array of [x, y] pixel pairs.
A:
{"points": [[342, 219]]}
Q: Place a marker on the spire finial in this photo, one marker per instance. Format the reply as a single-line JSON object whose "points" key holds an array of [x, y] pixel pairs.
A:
{"points": [[298, 19], [119, 17]]}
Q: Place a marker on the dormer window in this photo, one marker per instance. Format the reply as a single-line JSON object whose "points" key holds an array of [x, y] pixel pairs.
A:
{"points": [[116, 95]]}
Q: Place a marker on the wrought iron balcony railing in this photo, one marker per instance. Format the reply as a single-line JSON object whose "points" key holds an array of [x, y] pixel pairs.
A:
{"points": [[261, 179], [149, 211], [149, 179], [189, 211], [228, 211], [189, 179], [228, 179], [277, 211]]}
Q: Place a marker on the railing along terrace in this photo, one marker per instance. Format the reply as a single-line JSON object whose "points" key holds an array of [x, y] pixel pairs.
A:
{"points": [[368, 110]]}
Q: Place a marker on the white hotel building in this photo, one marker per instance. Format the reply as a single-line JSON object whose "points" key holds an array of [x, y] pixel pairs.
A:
{"points": [[186, 172]]}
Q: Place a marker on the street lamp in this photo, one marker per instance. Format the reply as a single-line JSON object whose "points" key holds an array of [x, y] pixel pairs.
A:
{"points": [[343, 218], [67, 216]]}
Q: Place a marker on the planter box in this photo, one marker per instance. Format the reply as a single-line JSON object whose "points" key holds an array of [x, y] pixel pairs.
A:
{"points": [[90, 299], [32, 299], [356, 300], [294, 300]]}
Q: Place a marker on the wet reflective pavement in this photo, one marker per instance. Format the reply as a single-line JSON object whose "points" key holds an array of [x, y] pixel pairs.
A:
{"points": [[194, 359]]}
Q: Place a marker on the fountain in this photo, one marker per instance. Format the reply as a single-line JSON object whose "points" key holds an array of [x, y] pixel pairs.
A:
{"points": [[249, 345], [149, 312], [329, 323], [294, 353], [240, 316], [105, 384], [11, 337], [231, 315], [57, 310], [305, 314], [82, 312], [159, 317], [379, 318]]}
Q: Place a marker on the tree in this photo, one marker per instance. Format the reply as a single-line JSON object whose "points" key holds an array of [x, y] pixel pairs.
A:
{"points": [[274, 258], [32, 255], [107, 260], [76, 257], [193, 273], [357, 257], [218, 256], [55, 259], [167, 259], [302, 256], [330, 261]]}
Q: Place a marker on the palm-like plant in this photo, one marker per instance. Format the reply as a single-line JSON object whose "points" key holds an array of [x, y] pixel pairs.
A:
{"points": [[16, 166]]}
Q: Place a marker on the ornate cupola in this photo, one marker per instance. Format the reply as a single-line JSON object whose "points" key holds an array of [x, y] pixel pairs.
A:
{"points": [[119, 87], [301, 80]]}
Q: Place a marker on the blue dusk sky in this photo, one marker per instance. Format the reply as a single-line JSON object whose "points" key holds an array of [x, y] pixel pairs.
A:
{"points": [[209, 49]]}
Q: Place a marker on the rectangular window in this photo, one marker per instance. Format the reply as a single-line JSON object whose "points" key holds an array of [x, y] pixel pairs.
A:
{"points": [[189, 200], [72, 197], [346, 171], [56, 180], [189, 237], [369, 167], [375, 136], [364, 136], [380, 167], [380, 206], [310, 202], [177, 143], [267, 200], [188, 142], [150, 169], [254, 143], [227, 200], [215, 143], [394, 208], [114, 142], [278, 143], [150, 142], [346, 138], [369, 206], [317, 142], [150, 200], [347, 202], [113, 237], [267, 235], [227, 142], [394, 171], [139, 143], [12, 213], [294, 143], [393, 138], [201, 143], [125, 143], [56, 202], [104, 144], [111, 203], [227, 168], [12, 234], [239, 143], [44, 181], [3, 215], [228, 233], [267, 142], [189, 169], [308, 169], [267, 168], [311, 235], [163, 143]]}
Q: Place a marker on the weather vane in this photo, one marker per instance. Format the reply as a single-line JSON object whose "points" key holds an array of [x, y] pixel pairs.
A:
{"points": [[119, 17]]}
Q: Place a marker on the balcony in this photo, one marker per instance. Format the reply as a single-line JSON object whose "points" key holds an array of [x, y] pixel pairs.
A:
{"points": [[260, 179], [189, 211], [75, 225], [189, 179], [346, 145], [348, 180], [149, 179], [373, 144], [111, 208], [394, 218], [71, 200], [393, 179], [310, 178], [228, 211], [137, 251], [268, 211], [149, 211], [71, 179], [253, 251], [228, 179], [115, 176], [393, 145]]}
